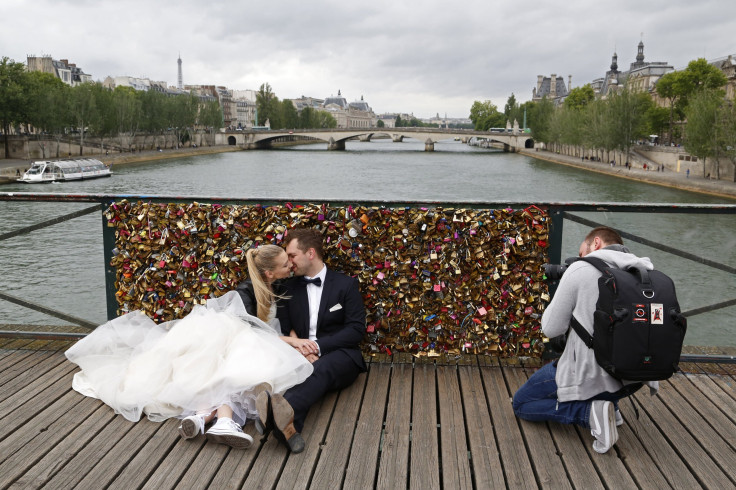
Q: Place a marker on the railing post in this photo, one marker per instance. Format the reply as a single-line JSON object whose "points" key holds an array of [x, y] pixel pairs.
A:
{"points": [[108, 244], [555, 235]]}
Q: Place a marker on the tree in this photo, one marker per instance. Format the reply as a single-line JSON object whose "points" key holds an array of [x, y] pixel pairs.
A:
{"points": [[526, 111], [701, 138], [540, 119], [657, 120], [13, 96], [673, 87], [727, 130], [267, 106], [82, 108], [127, 110], [306, 118], [511, 111], [599, 128], [380, 123], [210, 118], [628, 112], [183, 116], [676, 86], [700, 74], [579, 97], [289, 115], [324, 120], [46, 105], [485, 115]]}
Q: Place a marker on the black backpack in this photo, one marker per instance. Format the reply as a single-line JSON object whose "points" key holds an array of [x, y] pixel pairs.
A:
{"points": [[638, 329]]}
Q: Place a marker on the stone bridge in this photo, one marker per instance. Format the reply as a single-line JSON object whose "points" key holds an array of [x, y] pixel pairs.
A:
{"points": [[511, 140]]}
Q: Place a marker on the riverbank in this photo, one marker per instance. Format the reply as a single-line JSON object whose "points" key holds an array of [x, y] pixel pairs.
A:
{"points": [[11, 169], [668, 178]]}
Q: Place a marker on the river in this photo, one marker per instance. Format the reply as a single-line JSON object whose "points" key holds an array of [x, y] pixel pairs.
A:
{"points": [[62, 266]]}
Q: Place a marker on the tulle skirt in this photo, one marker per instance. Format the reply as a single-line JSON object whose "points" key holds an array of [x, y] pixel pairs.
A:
{"points": [[213, 356]]}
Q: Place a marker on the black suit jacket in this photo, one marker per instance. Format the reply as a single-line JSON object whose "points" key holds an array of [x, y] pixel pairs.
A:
{"points": [[341, 318]]}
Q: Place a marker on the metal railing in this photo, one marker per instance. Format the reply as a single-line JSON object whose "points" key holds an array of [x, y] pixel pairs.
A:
{"points": [[558, 213]]}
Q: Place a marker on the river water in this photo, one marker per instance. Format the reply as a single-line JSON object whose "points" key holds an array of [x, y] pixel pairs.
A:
{"points": [[61, 267]]}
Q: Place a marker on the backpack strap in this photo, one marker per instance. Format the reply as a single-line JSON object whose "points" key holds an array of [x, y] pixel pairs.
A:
{"points": [[582, 333], [602, 266], [599, 264]]}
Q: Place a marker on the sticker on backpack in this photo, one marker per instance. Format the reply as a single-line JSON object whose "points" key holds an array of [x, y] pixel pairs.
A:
{"points": [[640, 313], [657, 314]]}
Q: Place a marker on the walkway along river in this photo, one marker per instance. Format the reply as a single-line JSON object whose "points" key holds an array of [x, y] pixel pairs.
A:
{"points": [[62, 266]]}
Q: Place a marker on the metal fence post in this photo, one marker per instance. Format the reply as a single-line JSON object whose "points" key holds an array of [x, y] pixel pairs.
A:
{"points": [[108, 244]]}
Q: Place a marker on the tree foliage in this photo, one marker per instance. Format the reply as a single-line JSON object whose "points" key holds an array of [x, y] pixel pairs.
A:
{"points": [[485, 115], [14, 87], [580, 97], [677, 86], [701, 134]]}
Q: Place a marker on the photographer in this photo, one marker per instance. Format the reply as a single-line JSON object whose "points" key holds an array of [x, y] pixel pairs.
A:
{"points": [[575, 389]]}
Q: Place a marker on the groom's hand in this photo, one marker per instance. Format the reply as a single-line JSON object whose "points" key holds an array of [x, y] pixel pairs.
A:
{"points": [[312, 357], [305, 346]]}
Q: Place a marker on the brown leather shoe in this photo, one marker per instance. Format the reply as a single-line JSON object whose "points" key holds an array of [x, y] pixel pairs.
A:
{"points": [[283, 424], [264, 422]]}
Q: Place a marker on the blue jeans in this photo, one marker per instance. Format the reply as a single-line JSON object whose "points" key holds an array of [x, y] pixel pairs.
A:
{"points": [[536, 400]]}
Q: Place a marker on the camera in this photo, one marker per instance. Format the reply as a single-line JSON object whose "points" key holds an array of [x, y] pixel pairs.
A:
{"points": [[554, 272], [554, 347]]}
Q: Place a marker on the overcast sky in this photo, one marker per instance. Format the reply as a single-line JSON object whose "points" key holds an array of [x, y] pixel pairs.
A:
{"points": [[422, 56]]}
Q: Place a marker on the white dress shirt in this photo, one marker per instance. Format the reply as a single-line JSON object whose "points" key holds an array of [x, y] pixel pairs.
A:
{"points": [[314, 294]]}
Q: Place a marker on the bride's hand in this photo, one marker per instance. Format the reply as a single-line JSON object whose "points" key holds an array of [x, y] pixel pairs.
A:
{"points": [[305, 346]]}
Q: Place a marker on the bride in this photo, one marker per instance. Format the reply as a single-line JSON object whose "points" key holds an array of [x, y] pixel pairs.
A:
{"points": [[211, 363]]}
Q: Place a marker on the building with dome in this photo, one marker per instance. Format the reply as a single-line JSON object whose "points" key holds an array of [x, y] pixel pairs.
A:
{"points": [[356, 114]]}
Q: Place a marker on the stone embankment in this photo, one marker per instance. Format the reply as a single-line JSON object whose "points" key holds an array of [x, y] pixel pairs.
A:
{"points": [[668, 178]]}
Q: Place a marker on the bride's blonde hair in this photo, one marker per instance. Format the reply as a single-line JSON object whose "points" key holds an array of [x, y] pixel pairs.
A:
{"points": [[260, 260]]}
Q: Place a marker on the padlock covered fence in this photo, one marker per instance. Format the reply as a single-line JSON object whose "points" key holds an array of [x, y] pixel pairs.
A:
{"points": [[438, 279]]}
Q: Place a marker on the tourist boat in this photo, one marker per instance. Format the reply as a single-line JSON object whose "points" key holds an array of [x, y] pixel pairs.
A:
{"points": [[63, 170]]}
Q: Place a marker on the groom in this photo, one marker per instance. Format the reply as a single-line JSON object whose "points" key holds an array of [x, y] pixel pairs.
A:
{"points": [[325, 310]]}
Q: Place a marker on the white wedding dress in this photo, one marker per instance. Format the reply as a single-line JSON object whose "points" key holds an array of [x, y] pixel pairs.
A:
{"points": [[213, 356]]}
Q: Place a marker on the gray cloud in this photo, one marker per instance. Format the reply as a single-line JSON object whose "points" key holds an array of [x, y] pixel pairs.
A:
{"points": [[423, 57]]}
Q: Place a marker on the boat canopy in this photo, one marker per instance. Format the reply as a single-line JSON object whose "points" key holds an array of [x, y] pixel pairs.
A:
{"points": [[74, 166]]}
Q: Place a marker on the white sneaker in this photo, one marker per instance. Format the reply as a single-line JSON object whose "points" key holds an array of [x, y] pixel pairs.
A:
{"points": [[603, 425], [226, 431], [191, 426], [619, 419]]}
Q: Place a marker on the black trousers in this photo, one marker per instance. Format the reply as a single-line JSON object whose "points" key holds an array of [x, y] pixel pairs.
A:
{"points": [[333, 371]]}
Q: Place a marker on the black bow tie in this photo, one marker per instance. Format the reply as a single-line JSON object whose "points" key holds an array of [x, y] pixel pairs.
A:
{"points": [[316, 281]]}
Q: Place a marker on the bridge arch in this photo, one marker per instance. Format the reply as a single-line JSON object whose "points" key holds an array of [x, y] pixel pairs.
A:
{"points": [[231, 140]]}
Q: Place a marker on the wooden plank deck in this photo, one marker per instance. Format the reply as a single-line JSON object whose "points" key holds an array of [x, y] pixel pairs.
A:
{"points": [[403, 424]]}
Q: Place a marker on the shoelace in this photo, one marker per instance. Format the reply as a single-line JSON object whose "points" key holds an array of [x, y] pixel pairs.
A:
{"points": [[234, 426]]}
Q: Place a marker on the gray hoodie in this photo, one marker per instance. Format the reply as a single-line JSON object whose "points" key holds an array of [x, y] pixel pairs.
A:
{"points": [[579, 377]]}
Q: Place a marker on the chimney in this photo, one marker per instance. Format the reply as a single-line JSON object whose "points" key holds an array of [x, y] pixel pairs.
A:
{"points": [[553, 86], [540, 78]]}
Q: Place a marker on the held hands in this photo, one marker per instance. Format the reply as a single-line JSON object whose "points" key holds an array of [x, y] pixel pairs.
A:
{"points": [[305, 346], [308, 348], [312, 357]]}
